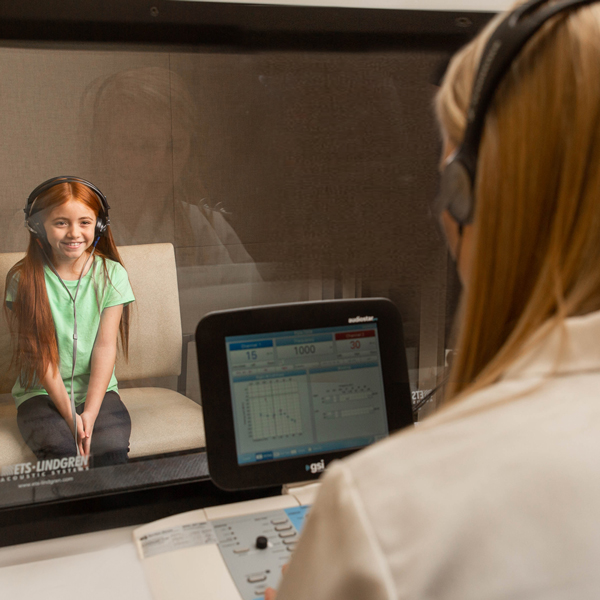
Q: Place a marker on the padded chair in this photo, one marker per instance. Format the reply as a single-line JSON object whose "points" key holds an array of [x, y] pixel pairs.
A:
{"points": [[163, 420]]}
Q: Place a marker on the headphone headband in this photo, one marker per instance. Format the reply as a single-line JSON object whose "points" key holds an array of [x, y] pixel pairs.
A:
{"points": [[503, 47], [37, 228]]}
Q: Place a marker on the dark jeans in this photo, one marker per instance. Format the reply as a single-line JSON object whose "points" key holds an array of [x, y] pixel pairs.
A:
{"points": [[48, 435]]}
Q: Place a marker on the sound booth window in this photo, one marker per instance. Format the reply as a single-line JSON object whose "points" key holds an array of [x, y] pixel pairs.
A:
{"points": [[234, 179]]}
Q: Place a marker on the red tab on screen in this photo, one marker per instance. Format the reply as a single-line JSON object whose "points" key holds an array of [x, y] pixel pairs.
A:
{"points": [[352, 335]]}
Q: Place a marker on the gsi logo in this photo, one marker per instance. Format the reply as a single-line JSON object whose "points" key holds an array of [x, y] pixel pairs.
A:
{"points": [[317, 467]]}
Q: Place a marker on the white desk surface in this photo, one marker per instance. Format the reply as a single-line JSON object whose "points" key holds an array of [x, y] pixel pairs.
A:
{"points": [[93, 566], [104, 565]]}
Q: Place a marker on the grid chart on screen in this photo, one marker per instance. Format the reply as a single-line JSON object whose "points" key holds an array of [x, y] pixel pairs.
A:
{"points": [[274, 407]]}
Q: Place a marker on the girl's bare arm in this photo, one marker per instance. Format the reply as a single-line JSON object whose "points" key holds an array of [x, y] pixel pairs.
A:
{"points": [[104, 355], [54, 385]]}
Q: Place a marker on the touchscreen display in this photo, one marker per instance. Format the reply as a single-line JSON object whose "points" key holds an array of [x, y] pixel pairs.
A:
{"points": [[305, 392]]}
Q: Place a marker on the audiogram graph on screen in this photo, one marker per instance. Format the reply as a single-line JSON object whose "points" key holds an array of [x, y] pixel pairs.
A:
{"points": [[274, 407]]}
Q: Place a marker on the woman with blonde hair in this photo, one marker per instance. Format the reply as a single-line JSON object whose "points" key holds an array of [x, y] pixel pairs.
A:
{"points": [[498, 495]]}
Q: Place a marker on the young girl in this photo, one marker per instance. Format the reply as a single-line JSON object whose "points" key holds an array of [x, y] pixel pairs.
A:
{"points": [[67, 303]]}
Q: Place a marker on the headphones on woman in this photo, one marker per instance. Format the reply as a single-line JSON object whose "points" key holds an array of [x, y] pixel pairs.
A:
{"points": [[36, 226], [458, 178]]}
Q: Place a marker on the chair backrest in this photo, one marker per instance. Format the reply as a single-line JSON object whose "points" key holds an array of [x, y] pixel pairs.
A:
{"points": [[7, 378], [155, 331]]}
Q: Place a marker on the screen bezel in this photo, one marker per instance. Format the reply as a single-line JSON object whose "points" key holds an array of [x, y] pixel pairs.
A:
{"points": [[216, 393]]}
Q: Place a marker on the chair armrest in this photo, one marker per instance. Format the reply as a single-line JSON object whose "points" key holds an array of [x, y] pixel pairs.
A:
{"points": [[182, 379]]}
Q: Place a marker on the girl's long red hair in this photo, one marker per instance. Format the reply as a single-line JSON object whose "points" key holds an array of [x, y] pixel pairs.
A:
{"points": [[30, 320]]}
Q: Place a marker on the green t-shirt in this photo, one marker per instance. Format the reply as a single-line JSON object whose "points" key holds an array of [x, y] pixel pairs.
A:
{"points": [[95, 294]]}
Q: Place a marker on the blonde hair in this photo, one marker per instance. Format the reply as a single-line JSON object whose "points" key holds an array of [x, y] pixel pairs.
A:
{"points": [[537, 217]]}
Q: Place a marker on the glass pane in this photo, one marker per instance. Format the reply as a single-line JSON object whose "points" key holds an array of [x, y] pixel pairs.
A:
{"points": [[277, 176]]}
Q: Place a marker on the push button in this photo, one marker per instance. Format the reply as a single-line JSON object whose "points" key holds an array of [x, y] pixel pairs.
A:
{"points": [[240, 550], [279, 521], [256, 578], [283, 527], [287, 534], [259, 591]]}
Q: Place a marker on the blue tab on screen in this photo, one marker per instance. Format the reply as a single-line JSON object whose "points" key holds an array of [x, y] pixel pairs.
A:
{"points": [[251, 345], [264, 456]]}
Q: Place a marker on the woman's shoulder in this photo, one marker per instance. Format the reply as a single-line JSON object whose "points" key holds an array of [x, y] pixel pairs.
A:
{"points": [[460, 487], [459, 437], [444, 467]]}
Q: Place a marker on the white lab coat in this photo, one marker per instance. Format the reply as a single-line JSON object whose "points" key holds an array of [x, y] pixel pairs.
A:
{"points": [[498, 497]]}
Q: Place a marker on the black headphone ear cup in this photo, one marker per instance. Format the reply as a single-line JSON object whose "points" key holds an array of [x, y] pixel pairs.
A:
{"points": [[456, 193], [100, 227], [36, 227], [102, 223]]}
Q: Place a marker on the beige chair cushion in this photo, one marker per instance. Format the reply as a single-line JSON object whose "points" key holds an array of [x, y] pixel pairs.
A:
{"points": [[162, 421]]}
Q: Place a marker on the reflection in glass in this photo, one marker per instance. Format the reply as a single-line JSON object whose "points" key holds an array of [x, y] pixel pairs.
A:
{"points": [[144, 144]]}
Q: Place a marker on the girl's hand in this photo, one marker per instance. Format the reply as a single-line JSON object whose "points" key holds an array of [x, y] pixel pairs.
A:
{"points": [[88, 421], [80, 432]]}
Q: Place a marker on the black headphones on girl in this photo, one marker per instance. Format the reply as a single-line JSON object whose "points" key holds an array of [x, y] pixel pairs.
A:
{"points": [[458, 178], [36, 226]]}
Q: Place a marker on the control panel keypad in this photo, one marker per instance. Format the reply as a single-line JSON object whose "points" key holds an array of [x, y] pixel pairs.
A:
{"points": [[255, 547]]}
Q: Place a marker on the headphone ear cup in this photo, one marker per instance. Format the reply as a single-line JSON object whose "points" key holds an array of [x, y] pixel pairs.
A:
{"points": [[456, 193], [36, 227], [102, 224]]}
